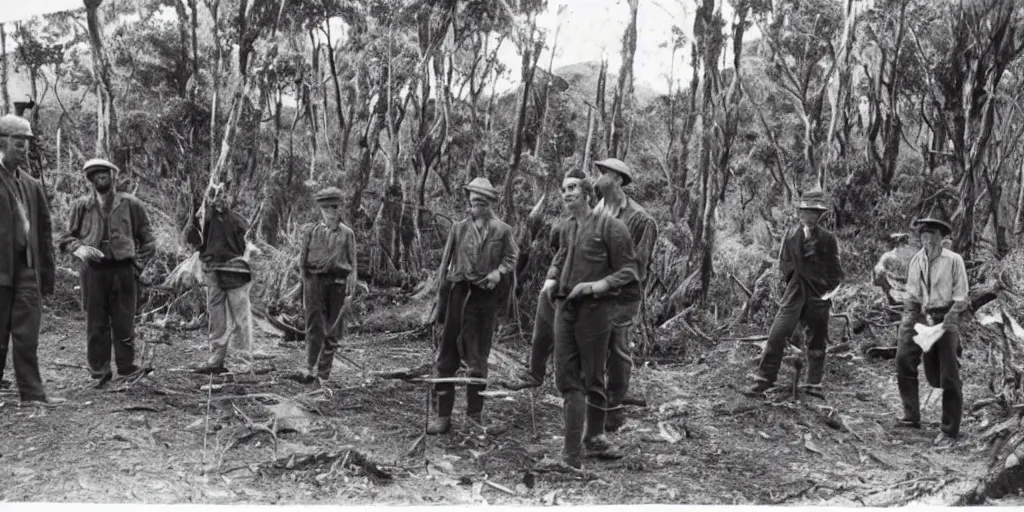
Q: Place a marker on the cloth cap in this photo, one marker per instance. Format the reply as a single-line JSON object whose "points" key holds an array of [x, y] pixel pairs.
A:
{"points": [[813, 200], [329, 195], [614, 164], [936, 217], [98, 164], [577, 173], [11, 124], [483, 187]]}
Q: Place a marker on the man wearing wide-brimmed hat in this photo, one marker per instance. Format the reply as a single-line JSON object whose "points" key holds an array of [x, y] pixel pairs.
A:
{"points": [[809, 264], [477, 264], [26, 259], [330, 273], [220, 238], [110, 233], [615, 175], [937, 293]]}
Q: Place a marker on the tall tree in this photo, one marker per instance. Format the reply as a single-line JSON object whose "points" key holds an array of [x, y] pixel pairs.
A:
{"points": [[530, 42], [5, 95], [622, 102], [106, 122]]}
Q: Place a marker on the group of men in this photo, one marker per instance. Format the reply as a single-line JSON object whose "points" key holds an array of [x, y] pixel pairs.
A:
{"points": [[586, 307]]}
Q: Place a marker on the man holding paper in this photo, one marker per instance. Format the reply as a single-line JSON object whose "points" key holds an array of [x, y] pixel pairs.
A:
{"points": [[936, 295]]}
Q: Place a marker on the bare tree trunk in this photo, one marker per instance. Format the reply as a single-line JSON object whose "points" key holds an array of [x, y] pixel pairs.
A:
{"points": [[5, 95], [531, 52], [342, 124], [547, 88], [591, 118], [106, 126], [184, 69], [599, 102], [623, 100]]}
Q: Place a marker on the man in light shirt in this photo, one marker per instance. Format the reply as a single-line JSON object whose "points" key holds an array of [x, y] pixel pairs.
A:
{"points": [[937, 291]]}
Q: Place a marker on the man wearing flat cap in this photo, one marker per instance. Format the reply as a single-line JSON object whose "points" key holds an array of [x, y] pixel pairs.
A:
{"points": [[937, 294], [26, 258], [809, 264], [110, 233], [221, 244], [479, 255], [329, 276]]}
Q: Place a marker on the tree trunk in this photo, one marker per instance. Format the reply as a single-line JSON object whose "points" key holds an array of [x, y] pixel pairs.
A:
{"points": [[623, 102], [5, 95], [531, 50], [107, 144], [342, 124], [183, 64], [599, 102]]}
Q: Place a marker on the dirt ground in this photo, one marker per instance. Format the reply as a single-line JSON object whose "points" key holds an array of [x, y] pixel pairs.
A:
{"points": [[166, 439]]}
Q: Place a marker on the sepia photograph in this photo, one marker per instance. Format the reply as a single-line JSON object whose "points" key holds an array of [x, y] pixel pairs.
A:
{"points": [[511, 253]]}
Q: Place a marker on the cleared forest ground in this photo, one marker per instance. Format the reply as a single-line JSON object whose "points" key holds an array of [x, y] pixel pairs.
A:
{"points": [[165, 440]]}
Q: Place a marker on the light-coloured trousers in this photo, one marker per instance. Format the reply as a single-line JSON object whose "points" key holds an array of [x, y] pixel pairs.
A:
{"points": [[230, 312]]}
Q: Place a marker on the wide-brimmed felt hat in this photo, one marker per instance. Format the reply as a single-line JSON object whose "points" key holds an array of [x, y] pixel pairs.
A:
{"points": [[98, 164], [483, 187], [16, 126], [329, 195], [614, 164], [935, 217], [813, 200]]}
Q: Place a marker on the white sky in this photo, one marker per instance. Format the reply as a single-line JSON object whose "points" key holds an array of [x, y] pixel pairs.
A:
{"points": [[589, 28]]}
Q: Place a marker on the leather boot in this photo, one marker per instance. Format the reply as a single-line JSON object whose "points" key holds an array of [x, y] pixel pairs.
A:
{"points": [[911, 400], [444, 397], [574, 408], [757, 390], [815, 367], [324, 365], [475, 404], [595, 421], [615, 419]]}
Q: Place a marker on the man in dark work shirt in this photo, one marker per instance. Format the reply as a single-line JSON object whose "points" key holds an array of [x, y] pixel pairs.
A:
{"points": [[595, 265], [228, 277], [110, 233], [329, 277], [809, 264]]}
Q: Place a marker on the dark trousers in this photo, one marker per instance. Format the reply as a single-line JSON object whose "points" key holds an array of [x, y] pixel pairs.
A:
{"points": [[583, 328], [324, 299], [797, 306], [109, 293], [941, 369], [543, 343], [19, 324], [620, 355], [465, 341]]}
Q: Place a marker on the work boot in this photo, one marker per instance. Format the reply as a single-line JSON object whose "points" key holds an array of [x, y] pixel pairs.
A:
{"points": [[523, 381], [210, 369], [128, 370], [615, 419], [439, 425], [758, 389], [574, 409], [815, 367], [815, 390], [474, 400], [908, 423], [600, 447]]}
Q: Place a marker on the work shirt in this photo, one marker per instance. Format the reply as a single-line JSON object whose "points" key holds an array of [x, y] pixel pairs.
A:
{"points": [[812, 261], [123, 232], [25, 229], [15, 211], [222, 237], [598, 247], [642, 229], [471, 252], [329, 249], [937, 284]]}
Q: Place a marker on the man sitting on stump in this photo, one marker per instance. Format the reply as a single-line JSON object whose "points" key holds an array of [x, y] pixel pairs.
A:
{"points": [[329, 277], [595, 266], [937, 294], [479, 255], [809, 264]]}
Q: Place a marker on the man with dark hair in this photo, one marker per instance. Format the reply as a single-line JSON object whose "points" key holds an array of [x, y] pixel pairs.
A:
{"points": [[809, 264], [221, 244], [110, 233], [480, 253], [937, 294], [595, 266], [330, 274], [26, 259]]}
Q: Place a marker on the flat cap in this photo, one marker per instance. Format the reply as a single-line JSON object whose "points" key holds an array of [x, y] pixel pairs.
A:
{"points": [[329, 195], [11, 124]]}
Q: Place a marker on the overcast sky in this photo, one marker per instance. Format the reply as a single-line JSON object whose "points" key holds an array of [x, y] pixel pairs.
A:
{"points": [[589, 28]]}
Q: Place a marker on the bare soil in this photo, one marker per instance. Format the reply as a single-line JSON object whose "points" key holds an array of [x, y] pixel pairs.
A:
{"points": [[164, 439]]}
